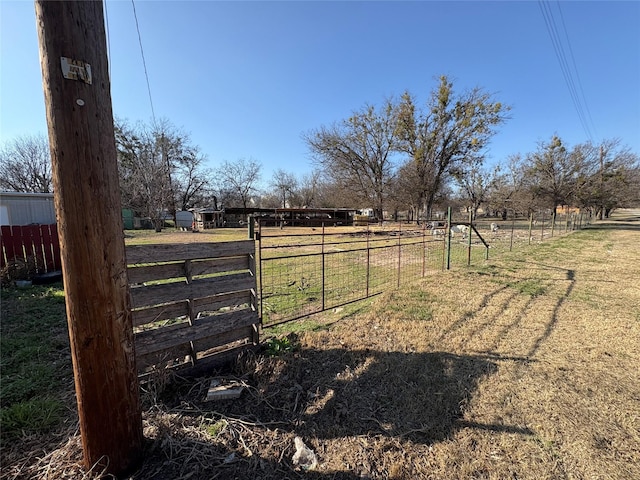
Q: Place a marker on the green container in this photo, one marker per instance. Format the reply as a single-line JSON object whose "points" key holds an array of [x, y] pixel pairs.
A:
{"points": [[127, 218]]}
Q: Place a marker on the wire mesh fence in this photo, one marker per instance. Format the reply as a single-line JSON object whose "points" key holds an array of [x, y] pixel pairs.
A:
{"points": [[312, 270], [308, 270], [517, 232]]}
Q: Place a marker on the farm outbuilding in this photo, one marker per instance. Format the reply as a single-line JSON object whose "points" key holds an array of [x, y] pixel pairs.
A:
{"points": [[303, 217], [206, 218], [184, 219], [19, 208]]}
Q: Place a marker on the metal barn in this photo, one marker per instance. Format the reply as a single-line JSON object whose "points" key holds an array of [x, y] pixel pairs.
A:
{"points": [[18, 208]]}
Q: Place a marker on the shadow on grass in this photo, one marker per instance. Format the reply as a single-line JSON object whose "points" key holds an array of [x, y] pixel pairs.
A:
{"points": [[416, 396], [338, 393], [330, 398]]}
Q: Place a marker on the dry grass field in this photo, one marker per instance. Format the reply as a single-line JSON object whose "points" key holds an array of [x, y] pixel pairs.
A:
{"points": [[523, 367]]}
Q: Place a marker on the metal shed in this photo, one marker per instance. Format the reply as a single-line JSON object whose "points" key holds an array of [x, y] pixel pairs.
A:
{"points": [[18, 208]]}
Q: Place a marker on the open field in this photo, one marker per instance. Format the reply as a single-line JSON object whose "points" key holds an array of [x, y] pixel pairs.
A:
{"points": [[524, 366]]}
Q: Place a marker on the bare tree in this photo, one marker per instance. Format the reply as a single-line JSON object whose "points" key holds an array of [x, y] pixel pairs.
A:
{"points": [[475, 186], [509, 190], [449, 134], [552, 173], [610, 177], [144, 176], [160, 170], [270, 200], [357, 153], [25, 165], [309, 189], [407, 188], [192, 181], [285, 184], [239, 180]]}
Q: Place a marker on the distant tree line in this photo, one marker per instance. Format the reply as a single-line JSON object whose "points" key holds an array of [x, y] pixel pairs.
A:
{"points": [[400, 157], [599, 178], [394, 157]]}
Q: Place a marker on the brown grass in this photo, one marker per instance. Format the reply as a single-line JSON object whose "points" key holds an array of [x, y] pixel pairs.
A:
{"points": [[525, 367]]}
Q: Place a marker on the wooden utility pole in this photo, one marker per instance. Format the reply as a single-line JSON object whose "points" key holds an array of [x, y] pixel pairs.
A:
{"points": [[87, 199]]}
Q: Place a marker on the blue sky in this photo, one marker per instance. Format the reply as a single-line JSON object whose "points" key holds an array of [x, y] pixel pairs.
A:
{"points": [[247, 79]]}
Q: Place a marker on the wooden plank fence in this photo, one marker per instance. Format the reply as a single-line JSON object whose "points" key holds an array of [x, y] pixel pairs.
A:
{"points": [[194, 305], [34, 245]]}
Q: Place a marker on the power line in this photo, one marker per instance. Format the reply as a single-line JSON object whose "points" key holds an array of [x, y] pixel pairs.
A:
{"points": [[558, 47], [575, 68], [560, 55], [144, 63]]}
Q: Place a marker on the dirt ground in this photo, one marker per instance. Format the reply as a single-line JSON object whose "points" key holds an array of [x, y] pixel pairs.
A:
{"points": [[525, 367]]}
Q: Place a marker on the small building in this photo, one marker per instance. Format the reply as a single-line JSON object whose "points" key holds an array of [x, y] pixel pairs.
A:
{"points": [[306, 217], [206, 218], [184, 220], [20, 208]]}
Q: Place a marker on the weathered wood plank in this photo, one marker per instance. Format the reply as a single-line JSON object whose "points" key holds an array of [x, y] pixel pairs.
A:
{"points": [[160, 312], [206, 344], [216, 302], [226, 357], [160, 359], [158, 340], [203, 287], [147, 340], [215, 338], [213, 303], [149, 273], [187, 251]]}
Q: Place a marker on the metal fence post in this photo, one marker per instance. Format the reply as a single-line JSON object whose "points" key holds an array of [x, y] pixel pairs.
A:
{"points": [[259, 239], [250, 225], [323, 275], [530, 226], [424, 248], [469, 239], [368, 259], [448, 238], [399, 250], [513, 225]]}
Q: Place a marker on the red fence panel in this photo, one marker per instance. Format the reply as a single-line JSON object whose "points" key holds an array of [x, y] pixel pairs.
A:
{"points": [[49, 235], [36, 243], [55, 247], [7, 245], [32, 232]]}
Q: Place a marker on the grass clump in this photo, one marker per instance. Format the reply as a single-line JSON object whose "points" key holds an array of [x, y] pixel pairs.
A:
{"points": [[35, 415], [532, 287], [275, 346], [35, 359]]}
